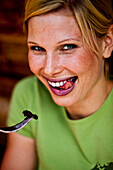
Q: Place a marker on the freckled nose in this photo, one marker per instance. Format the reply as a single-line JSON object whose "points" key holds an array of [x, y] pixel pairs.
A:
{"points": [[51, 65]]}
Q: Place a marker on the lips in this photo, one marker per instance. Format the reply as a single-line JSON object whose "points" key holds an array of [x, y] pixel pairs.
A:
{"points": [[63, 87]]}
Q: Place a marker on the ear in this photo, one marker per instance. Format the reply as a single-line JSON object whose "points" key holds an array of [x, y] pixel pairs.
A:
{"points": [[108, 43]]}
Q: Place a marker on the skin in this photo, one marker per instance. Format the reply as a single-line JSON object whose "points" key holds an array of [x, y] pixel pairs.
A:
{"points": [[20, 153], [51, 59], [54, 60]]}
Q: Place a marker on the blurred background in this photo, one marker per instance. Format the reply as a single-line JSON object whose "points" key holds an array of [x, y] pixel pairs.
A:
{"points": [[13, 56]]}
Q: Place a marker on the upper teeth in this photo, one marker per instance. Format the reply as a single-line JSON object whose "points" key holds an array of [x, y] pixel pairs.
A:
{"points": [[57, 84]]}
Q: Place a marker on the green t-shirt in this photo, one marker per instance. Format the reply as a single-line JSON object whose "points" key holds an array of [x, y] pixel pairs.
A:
{"points": [[61, 143]]}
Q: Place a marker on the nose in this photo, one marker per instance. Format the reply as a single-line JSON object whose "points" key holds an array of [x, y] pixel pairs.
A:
{"points": [[52, 65]]}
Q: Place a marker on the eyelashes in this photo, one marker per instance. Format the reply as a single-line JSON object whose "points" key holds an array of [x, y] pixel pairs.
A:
{"points": [[63, 48], [37, 48], [69, 47]]}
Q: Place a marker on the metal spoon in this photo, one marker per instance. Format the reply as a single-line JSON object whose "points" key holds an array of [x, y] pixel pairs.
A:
{"points": [[18, 126]]}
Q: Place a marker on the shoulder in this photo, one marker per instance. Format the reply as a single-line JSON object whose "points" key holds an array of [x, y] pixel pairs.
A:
{"points": [[25, 87], [29, 87], [26, 84]]}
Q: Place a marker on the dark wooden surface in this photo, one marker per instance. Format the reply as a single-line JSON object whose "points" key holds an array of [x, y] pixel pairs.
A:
{"points": [[13, 56]]}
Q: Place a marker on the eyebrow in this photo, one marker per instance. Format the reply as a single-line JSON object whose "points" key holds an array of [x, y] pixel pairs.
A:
{"points": [[32, 42], [62, 41], [68, 40]]}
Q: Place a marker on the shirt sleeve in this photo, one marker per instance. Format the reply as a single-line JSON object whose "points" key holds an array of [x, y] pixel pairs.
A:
{"points": [[20, 102]]}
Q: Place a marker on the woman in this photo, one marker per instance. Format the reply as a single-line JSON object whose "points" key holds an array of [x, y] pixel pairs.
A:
{"points": [[69, 42]]}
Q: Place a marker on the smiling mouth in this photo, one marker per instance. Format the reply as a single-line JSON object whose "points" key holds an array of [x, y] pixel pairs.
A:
{"points": [[62, 88]]}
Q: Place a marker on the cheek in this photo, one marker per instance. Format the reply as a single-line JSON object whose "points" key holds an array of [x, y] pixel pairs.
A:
{"points": [[35, 63], [80, 62]]}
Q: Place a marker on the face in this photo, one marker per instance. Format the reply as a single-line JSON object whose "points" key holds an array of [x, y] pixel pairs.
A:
{"points": [[59, 58]]}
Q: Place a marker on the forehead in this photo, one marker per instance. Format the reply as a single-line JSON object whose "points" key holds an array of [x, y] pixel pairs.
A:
{"points": [[60, 23]]}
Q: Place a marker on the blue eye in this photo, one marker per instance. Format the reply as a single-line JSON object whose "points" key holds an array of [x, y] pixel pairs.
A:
{"points": [[69, 47], [37, 48]]}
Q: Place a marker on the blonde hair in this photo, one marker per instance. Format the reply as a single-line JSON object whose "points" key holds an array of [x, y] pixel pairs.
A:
{"points": [[93, 15]]}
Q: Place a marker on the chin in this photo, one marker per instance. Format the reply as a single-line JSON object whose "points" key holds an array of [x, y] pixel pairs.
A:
{"points": [[63, 100]]}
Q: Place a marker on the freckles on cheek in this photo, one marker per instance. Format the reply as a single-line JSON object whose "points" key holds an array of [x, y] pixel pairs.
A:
{"points": [[83, 62], [79, 63], [32, 63], [35, 63]]}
